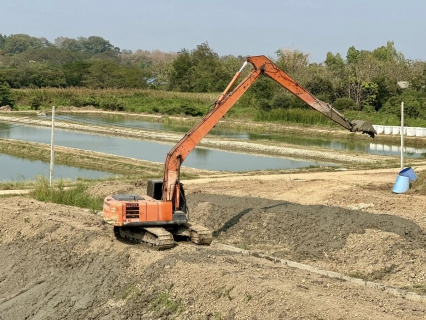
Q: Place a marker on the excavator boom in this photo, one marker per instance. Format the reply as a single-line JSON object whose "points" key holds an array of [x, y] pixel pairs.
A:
{"points": [[261, 66]]}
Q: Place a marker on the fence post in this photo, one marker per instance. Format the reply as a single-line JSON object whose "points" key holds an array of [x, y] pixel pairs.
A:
{"points": [[52, 148]]}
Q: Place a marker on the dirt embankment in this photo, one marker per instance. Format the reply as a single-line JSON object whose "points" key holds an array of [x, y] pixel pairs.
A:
{"points": [[61, 262]]}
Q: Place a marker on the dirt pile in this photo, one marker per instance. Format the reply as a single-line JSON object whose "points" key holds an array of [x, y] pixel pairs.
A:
{"points": [[61, 262]]}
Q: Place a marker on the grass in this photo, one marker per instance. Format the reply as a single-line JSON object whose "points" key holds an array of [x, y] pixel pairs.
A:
{"points": [[165, 300], [74, 196], [131, 100], [379, 274], [129, 291], [223, 292], [19, 184], [417, 288], [419, 185], [184, 103]]}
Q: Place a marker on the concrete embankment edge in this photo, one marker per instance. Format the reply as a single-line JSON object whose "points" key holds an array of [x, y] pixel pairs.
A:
{"points": [[330, 274]]}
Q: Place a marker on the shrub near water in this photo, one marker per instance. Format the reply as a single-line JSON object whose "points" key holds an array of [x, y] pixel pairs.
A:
{"points": [[131, 100], [301, 116], [72, 196]]}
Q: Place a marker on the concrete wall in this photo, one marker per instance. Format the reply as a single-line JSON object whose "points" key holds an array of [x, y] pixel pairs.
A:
{"points": [[396, 130]]}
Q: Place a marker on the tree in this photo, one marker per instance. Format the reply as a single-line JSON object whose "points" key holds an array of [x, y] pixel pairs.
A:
{"points": [[321, 87], [343, 104], [417, 75], [18, 43], [200, 70], [388, 53], [353, 55], [2, 41], [181, 74], [6, 96], [68, 44], [96, 44], [109, 74], [292, 61], [413, 104], [75, 72], [208, 73], [335, 64], [48, 55], [386, 88]]}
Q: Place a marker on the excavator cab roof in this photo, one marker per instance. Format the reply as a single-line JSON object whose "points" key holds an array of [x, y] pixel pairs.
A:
{"points": [[127, 197]]}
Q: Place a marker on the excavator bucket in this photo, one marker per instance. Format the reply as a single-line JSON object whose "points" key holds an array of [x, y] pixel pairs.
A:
{"points": [[364, 127]]}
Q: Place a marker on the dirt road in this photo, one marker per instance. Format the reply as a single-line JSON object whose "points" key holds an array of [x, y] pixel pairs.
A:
{"points": [[61, 262]]}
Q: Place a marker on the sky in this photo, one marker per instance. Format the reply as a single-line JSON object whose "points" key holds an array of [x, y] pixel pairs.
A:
{"points": [[229, 27]]}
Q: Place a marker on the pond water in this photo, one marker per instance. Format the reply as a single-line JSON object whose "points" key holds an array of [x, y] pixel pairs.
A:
{"points": [[357, 146], [200, 158], [20, 169]]}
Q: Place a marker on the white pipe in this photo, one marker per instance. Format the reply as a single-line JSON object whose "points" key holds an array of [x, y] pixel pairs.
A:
{"points": [[244, 64]]}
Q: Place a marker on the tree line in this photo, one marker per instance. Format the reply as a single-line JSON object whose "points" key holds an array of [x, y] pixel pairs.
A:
{"points": [[363, 80]]}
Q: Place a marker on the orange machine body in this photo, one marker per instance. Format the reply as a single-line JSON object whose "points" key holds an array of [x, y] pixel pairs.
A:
{"points": [[140, 211]]}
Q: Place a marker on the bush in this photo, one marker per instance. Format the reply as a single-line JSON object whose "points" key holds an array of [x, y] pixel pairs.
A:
{"points": [[35, 103], [191, 111], [75, 196], [343, 104], [6, 96], [111, 103]]}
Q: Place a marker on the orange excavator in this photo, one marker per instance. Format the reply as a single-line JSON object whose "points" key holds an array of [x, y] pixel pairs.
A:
{"points": [[160, 215]]}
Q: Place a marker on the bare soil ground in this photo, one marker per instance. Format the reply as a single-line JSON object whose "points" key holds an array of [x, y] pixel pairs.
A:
{"points": [[61, 262]]}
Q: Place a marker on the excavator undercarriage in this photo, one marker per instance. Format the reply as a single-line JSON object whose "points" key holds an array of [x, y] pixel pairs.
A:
{"points": [[163, 238]]}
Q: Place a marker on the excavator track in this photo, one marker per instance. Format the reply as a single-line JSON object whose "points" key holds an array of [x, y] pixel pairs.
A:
{"points": [[161, 238], [157, 237], [199, 234]]}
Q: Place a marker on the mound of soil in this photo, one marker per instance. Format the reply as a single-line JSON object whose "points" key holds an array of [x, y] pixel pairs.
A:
{"points": [[62, 262]]}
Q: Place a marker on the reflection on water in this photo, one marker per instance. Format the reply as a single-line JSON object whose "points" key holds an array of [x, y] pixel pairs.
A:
{"points": [[25, 169], [355, 146]]}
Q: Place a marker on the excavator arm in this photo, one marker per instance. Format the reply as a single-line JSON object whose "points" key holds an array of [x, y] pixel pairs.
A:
{"points": [[269, 69], [261, 66]]}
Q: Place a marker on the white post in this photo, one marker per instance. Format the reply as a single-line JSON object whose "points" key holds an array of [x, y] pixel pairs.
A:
{"points": [[402, 135], [52, 150]]}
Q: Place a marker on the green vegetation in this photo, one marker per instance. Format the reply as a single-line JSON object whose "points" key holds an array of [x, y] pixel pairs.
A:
{"points": [[72, 196], [129, 291], [419, 185], [130, 100], [417, 288], [223, 292], [165, 300], [19, 184], [36, 74], [375, 275]]}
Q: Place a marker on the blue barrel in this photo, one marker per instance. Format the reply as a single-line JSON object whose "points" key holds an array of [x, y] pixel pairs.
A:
{"points": [[402, 184], [408, 172]]}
